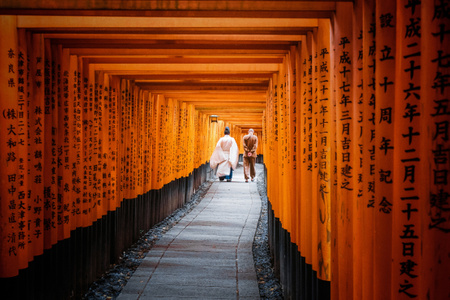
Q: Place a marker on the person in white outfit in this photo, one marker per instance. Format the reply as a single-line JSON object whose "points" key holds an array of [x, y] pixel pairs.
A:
{"points": [[225, 156]]}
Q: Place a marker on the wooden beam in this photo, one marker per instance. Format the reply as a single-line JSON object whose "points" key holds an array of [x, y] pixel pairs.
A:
{"points": [[184, 60], [199, 81], [218, 106], [228, 101], [151, 8], [185, 68], [218, 96], [134, 33], [229, 110], [221, 96], [245, 124], [132, 50], [238, 36], [157, 22], [175, 45], [234, 105], [167, 87], [321, 14]]}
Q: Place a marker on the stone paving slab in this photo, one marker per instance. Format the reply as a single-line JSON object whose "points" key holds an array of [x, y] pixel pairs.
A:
{"points": [[208, 254], [193, 280], [155, 291], [196, 255]]}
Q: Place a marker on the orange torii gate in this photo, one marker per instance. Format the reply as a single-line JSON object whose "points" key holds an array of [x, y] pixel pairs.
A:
{"points": [[77, 143], [369, 132]]}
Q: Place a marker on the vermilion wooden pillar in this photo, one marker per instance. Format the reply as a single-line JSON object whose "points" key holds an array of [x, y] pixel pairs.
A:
{"points": [[65, 117], [184, 138], [134, 146], [368, 140], [386, 22], [191, 134], [282, 169], [275, 148], [91, 144], [270, 141], [171, 140], [294, 128], [434, 189], [407, 169], [358, 147], [106, 145], [113, 133], [75, 89], [313, 140], [146, 142], [306, 146], [84, 104], [102, 144], [297, 150], [22, 149], [37, 140], [176, 140], [345, 149], [163, 143], [156, 141], [125, 151], [49, 158], [10, 227], [324, 140]]}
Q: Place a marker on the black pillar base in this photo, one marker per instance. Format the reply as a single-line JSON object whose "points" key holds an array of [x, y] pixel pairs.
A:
{"points": [[298, 279], [66, 270]]}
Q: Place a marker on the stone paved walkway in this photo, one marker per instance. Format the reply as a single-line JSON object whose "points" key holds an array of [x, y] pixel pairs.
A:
{"points": [[208, 254]]}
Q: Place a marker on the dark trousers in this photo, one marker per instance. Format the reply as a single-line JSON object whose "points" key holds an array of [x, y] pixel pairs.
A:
{"points": [[249, 167], [228, 177]]}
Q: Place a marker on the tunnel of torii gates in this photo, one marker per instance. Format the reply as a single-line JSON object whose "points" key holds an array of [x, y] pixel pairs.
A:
{"points": [[106, 128]]}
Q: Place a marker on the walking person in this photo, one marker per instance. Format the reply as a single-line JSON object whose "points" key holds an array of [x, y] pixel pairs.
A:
{"points": [[250, 142], [225, 157]]}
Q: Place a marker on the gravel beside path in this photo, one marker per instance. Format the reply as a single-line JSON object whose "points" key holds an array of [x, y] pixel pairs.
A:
{"points": [[112, 282]]}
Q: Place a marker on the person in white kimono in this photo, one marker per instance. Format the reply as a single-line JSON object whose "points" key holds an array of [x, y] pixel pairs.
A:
{"points": [[225, 156]]}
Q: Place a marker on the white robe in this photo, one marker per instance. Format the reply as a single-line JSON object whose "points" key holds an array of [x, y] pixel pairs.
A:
{"points": [[225, 156]]}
